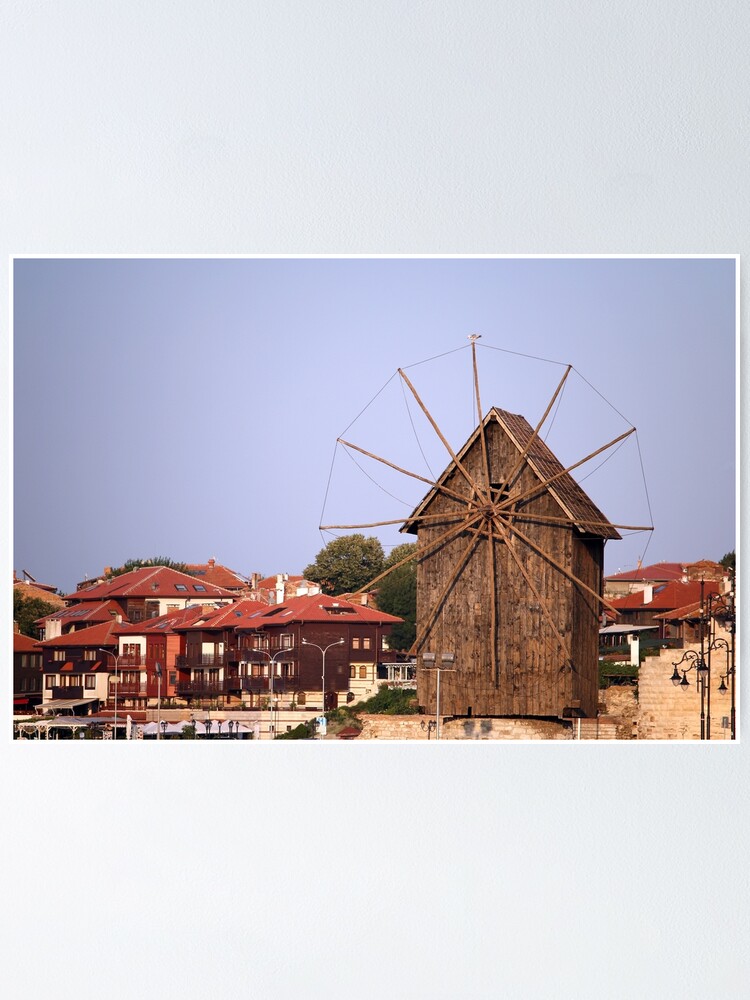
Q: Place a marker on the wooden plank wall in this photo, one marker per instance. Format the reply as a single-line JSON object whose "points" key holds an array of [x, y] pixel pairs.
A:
{"points": [[532, 677]]}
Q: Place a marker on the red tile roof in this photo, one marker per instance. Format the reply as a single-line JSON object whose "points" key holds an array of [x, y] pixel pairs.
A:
{"points": [[24, 643], [151, 582], [219, 576], [321, 608], [101, 612], [96, 635], [162, 623], [241, 613], [31, 591], [658, 572], [665, 598]]}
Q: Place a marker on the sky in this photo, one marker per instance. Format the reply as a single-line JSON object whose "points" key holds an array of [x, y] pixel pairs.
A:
{"points": [[191, 407]]}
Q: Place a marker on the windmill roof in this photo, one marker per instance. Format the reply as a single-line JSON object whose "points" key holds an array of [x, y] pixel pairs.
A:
{"points": [[545, 465]]}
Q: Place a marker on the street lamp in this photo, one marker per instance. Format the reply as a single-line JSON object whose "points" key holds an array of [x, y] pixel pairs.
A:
{"points": [[323, 651], [272, 663], [163, 727], [116, 658], [438, 662], [157, 670], [701, 660]]}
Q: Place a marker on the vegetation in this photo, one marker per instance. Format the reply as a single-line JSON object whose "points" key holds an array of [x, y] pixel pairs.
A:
{"points": [[304, 731], [132, 564], [397, 595], [346, 564], [26, 610], [729, 561], [388, 701]]}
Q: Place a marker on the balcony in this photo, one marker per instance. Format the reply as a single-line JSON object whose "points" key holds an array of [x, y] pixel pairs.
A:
{"points": [[130, 689], [202, 688], [68, 692]]}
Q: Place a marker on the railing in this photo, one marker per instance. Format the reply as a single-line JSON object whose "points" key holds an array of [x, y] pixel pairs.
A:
{"points": [[131, 688], [206, 687], [68, 692], [131, 660]]}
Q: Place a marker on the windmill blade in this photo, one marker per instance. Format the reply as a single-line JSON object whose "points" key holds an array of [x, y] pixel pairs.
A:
{"points": [[435, 610], [445, 516], [522, 515], [571, 576], [467, 476], [542, 487], [437, 486], [443, 539], [522, 457], [480, 417], [542, 603]]}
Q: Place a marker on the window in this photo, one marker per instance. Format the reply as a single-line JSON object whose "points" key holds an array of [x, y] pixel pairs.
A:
{"points": [[196, 586], [89, 654], [50, 681], [58, 655], [136, 614], [180, 586], [363, 673], [286, 640], [90, 682], [366, 642], [172, 676], [352, 671], [355, 643]]}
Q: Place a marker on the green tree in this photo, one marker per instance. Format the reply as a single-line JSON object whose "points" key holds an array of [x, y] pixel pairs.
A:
{"points": [[729, 562], [346, 564], [397, 595], [132, 564], [27, 609]]}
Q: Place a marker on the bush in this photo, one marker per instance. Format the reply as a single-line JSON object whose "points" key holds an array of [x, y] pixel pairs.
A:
{"points": [[389, 701], [301, 732]]}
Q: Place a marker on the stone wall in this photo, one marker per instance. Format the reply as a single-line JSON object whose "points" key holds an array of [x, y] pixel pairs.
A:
{"points": [[669, 712], [409, 727]]}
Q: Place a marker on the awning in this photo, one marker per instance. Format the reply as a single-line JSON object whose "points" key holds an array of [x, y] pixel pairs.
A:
{"points": [[62, 704], [625, 629]]}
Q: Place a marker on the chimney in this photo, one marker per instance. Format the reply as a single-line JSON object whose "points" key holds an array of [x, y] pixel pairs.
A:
{"points": [[648, 593], [107, 570], [211, 563]]}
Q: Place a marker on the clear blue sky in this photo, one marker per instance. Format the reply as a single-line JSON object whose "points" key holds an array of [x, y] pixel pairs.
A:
{"points": [[190, 407]]}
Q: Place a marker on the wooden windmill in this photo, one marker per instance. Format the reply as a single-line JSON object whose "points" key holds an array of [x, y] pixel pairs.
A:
{"points": [[510, 554]]}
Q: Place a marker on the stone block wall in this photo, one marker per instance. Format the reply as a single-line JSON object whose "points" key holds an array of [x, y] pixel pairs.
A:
{"points": [[667, 712]]}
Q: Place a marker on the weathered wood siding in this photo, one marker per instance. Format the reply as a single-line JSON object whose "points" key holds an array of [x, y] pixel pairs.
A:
{"points": [[533, 676]]}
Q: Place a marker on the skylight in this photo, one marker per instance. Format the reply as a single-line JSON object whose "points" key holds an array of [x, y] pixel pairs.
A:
{"points": [[180, 586]]}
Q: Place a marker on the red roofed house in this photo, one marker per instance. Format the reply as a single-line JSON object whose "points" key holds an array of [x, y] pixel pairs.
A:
{"points": [[220, 576], [646, 607], [281, 587], [144, 644], [621, 584], [209, 665], [77, 616], [76, 671], [294, 635], [27, 672], [152, 591]]}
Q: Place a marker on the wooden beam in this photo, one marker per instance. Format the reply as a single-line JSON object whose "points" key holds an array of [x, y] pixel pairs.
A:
{"points": [[535, 434], [434, 611], [543, 486], [446, 516], [464, 472], [438, 486]]}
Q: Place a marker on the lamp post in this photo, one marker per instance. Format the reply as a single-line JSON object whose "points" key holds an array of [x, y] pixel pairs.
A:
{"points": [[157, 670], [163, 728], [701, 660], [323, 651], [272, 663], [438, 662], [116, 658]]}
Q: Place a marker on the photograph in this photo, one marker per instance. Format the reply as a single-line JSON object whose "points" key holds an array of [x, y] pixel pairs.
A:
{"points": [[375, 498]]}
